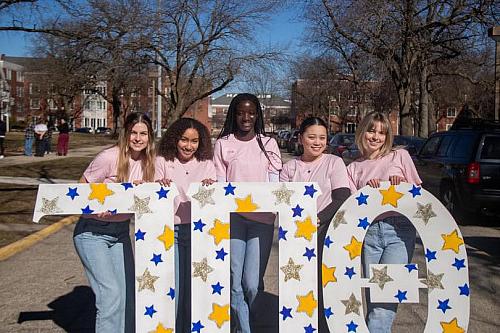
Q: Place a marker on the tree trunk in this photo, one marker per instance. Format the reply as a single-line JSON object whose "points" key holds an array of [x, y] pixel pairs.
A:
{"points": [[423, 130], [116, 103]]}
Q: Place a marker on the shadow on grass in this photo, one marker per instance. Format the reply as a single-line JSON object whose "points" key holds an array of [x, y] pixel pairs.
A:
{"points": [[74, 312]]}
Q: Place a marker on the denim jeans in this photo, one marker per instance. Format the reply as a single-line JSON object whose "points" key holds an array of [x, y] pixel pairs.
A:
{"points": [[28, 147], [182, 234], [250, 248], [108, 262], [387, 241]]}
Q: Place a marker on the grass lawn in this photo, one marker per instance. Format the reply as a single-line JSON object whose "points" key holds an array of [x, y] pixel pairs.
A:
{"points": [[66, 168]]}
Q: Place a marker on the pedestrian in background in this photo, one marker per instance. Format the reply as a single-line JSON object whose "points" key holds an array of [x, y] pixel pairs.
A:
{"points": [[103, 240], [29, 136], [48, 137], [390, 239], [243, 153], [62, 138], [3, 130], [40, 139], [186, 157], [330, 173]]}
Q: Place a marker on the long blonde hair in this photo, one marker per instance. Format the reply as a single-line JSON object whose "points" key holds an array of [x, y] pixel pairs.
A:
{"points": [[366, 124], [147, 155]]}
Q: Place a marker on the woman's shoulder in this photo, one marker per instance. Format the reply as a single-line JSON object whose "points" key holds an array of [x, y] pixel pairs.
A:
{"points": [[108, 154]]}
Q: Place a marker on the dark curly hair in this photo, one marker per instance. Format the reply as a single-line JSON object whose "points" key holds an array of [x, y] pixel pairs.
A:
{"points": [[168, 143]]}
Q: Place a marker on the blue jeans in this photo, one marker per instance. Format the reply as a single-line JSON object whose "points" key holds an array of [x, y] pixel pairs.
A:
{"points": [[182, 234], [28, 146], [250, 248], [388, 241], [108, 262]]}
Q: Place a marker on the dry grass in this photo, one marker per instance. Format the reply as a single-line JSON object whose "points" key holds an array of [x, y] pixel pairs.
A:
{"points": [[66, 168]]}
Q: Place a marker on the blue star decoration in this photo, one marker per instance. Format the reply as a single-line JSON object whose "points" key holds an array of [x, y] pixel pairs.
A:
{"points": [[72, 192], [363, 223], [156, 259], [126, 186], [328, 312], [229, 189], [221, 254], [217, 288], [139, 235], [87, 210], [352, 327], [401, 295], [349, 271], [297, 211], [286, 313], [362, 199], [411, 267], [309, 329], [171, 293], [310, 190], [459, 263], [309, 253], [430, 255], [162, 193], [113, 212], [328, 241], [197, 326], [198, 225], [282, 233], [150, 311], [443, 305], [464, 290], [415, 190]]}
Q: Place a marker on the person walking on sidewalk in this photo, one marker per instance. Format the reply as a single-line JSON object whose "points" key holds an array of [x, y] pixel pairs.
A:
{"points": [[29, 136], [3, 130], [40, 134], [62, 138], [102, 241]]}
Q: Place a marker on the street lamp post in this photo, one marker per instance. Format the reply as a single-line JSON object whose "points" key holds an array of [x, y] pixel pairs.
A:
{"points": [[494, 33]]}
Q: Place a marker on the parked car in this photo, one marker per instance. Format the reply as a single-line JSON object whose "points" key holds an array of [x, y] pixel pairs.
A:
{"points": [[462, 167], [339, 142], [103, 130], [282, 138], [88, 130], [292, 140]]}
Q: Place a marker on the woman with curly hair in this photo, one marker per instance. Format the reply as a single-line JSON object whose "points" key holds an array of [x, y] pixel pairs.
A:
{"points": [[186, 153]]}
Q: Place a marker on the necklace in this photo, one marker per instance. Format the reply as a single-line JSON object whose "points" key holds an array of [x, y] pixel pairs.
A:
{"points": [[183, 166]]}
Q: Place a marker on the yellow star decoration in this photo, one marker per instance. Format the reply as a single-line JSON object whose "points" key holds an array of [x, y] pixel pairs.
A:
{"points": [[452, 241], [167, 237], [305, 229], [354, 248], [390, 196], [161, 329], [99, 192], [307, 304], [328, 274], [219, 231], [220, 314], [451, 327], [245, 205]]}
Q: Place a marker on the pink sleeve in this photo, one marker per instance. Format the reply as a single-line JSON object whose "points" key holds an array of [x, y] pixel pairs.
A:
{"points": [[284, 177], [100, 168], [338, 175], [408, 166], [160, 169], [274, 155], [220, 167], [352, 183], [211, 172]]}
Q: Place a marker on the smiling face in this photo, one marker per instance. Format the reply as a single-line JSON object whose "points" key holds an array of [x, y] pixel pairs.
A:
{"points": [[188, 145], [314, 142], [374, 139], [139, 138], [246, 116]]}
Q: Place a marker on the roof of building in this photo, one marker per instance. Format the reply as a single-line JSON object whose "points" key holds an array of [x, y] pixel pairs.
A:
{"points": [[268, 100]]}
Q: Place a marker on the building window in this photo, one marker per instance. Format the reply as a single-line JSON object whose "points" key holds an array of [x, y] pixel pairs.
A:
{"points": [[350, 127], [448, 126], [34, 103], [352, 111], [451, 112], [20, 91], [20, 77]]}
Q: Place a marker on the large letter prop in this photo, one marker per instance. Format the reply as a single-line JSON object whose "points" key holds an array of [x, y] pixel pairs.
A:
{"points": [[446, 277], [154, 238], [211, 206]]}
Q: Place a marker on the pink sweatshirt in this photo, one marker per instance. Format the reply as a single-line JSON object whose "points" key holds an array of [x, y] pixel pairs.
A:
{"points": [[183, 174], [328, 170]]}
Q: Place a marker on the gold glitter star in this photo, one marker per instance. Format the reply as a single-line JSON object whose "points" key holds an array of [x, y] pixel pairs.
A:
{"points": [[161, 329], [354, 248], [245, 205], [140, 206], [391, 196], [452, 241], [380, 277], [291, 270], [351, 305], [147, 281], [219, 231], [167, 237], [283, 195], [307, 304], [100, 192], [49, 207], [327, 274], [433, 281], [305, 229], [338, 219], [424, 212], [220, 314], [451, 327], [202, 269], [204, 196]]}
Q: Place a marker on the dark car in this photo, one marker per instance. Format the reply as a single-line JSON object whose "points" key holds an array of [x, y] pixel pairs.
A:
{"points": [[88, 130], [103, 130], [292, 141], [339, 142], [282, 138], [462, 167]]}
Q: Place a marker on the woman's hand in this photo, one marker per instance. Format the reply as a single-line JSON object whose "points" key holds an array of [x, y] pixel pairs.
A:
{"points": [[207, 182], [374, 183], [164, 182], [396, 180], [104, 214], [138, 182]]}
